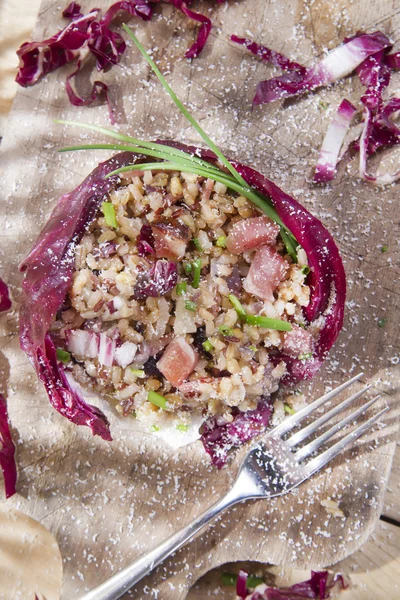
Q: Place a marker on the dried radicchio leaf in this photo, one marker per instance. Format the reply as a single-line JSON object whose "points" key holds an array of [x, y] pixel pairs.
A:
{"points": [[7, 451], [5, 302], [159, 280]]}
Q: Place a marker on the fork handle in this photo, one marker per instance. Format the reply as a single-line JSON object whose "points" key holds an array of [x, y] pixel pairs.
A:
{"points": [[121, 582]]}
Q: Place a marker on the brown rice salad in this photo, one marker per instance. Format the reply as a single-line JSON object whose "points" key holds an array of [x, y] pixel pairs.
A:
{"points": [[152, 320]]}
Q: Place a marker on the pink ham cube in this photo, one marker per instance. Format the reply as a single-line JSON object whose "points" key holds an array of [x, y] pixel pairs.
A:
{"points": [[178, 361], [251, 233], [298, 342], [267, 270]]}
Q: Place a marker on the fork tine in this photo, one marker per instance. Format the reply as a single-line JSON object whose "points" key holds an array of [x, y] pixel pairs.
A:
{"points": [[315, 444], [319, 461], [312, 427], [290, 422]]}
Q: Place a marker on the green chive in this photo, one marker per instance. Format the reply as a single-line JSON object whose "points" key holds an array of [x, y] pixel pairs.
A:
{"points": [[288, 409], [253, 582], [63, 355], [305, 269], [382, 322], [196, 271], [188, 268], [225, 330], [154, 428], [189, 305], [208, 347], [157, 399], [305, 356], [108, 211], [221, 241], [237, 306], [183, 109], [384, 249], [138, 372], [197, 244], [181, 288], [228, 579], [268, 323], [182, 427]]}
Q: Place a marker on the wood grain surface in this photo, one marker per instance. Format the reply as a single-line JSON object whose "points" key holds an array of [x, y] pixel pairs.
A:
{"points": [[108, 503]]}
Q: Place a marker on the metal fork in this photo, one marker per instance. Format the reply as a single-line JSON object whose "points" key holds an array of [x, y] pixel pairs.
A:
{"points": [[271, 468]]}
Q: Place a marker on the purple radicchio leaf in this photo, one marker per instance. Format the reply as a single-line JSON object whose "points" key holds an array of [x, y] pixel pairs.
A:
{"points": [[327, 278], [36, 59], [337, 64], [241, 587], [219, 438], [270, 56], [48, 271], [7, 451], [317, 587], [325, 169], [145, 241], [5, 302], [73, 11], [158, 281]]}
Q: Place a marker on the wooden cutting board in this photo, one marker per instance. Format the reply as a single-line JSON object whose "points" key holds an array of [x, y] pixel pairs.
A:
{"points": [[107, 503]]}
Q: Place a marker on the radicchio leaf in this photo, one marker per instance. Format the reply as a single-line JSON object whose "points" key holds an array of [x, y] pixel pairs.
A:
{"points": [[73, 11], [5, 302], [48, 273], [318, 587], [7, 451], [270, 56], [337, 64], [36, 59], [327, 278], [84, 34], [145, 241], [325, 169], [158, 281], [219, 438]]}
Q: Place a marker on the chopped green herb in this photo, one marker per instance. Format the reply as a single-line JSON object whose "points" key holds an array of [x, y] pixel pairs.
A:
{"points": [[253, 582], [138, 372], [237, 306], [108, 210], [157, 399], [63, 355], [182, 427], [208, 347], [189, 305], [228, 579], [197, 244], [231, 579], [196, 270], [288, 409], [305, 269], [268, 323], [253, 348], [324, 105], [382, 322], [188, 268], [305, 356], [384, 249], [221, 241], [154, 428], [181, 288], [225, 330]]}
